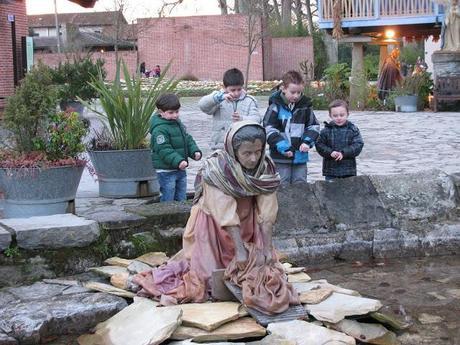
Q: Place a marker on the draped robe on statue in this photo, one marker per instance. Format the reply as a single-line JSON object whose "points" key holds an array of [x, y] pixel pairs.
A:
{"points": [[226, 196]]}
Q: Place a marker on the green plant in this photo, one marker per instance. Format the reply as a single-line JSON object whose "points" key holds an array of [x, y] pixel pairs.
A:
{"points": [[73, 78], [410, 52], [414, 84], [12, 252], [337, 81], [128, 109], [64, 136], [27, 111], [371, 66]]}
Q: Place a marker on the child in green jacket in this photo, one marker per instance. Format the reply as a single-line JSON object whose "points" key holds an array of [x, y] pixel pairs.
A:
{"points": [[171, 148]]}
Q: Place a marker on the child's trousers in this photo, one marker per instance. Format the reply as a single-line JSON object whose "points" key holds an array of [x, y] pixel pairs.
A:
{"points": [[292, 173], [173, 185]]}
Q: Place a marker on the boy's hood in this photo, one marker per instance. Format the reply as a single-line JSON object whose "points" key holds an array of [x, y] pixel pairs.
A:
{"points": [[333, 124], [156, 120], [278, 98]]}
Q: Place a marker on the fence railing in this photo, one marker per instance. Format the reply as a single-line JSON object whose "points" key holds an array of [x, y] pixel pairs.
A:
{"points": [[367, 9]]}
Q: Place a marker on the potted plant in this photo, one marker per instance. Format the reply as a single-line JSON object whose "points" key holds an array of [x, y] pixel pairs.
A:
{"points": [[120, 153], [40, 168], [411, 92], [73, 77]]}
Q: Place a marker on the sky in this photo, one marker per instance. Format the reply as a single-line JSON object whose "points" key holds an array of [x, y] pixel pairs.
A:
{"points": [[136, 8]]}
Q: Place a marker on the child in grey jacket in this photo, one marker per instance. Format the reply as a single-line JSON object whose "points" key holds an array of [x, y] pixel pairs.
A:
{"points": [[228, 105]]}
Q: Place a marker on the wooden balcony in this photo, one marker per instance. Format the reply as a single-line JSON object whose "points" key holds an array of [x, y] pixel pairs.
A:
{"points": [[378, 13]]}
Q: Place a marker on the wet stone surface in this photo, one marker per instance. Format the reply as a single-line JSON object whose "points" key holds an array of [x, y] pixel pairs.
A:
{"points": [[405, 287]]}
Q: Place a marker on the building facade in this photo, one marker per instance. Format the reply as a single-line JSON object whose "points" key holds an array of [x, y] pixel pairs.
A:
{"points": [[13, 26]]}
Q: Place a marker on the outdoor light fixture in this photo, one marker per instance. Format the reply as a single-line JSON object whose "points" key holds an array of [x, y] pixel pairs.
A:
{"points": [[102, 50], [390, 34]]}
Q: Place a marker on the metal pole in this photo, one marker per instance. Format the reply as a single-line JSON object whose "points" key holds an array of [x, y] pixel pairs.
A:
{"points": [[58, 36]]}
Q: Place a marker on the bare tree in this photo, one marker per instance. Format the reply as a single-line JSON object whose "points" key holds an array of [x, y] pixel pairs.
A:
{"points": [[168, 6], [298, 13], [223, 6], [286, 13], [276, 11], [309, 16]]}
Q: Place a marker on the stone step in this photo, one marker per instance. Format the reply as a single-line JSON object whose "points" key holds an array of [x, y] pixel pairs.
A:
{"points": [[56, 231]]}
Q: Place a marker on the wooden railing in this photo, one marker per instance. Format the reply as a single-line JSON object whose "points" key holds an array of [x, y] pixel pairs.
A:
{"points": [[366, 9]]}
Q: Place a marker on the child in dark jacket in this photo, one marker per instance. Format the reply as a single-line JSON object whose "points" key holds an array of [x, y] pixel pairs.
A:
{"points": [[171, 148], [291, 128], [339, 143]]}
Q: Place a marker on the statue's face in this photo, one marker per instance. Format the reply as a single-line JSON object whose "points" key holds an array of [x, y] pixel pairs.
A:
{"points": [[249, 154]]}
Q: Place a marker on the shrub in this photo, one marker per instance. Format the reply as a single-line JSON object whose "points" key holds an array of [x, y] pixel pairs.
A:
{"points": [[73, 78], [337, 82], [27, 111]]}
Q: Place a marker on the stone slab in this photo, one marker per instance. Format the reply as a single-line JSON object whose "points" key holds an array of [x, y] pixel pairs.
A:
{"points": [[108, 271], [111, 219], [391, 242], [163, 214], [366, 332], [290, 221], [300, 277], [32, 322], [153, 259], [136, 267], [116, 261], [352, 201], [337, 306], [322, 284], [108, 289], [141, 323], [424, 195], [245, 327], [209, 316], [56, 231], [315, 296], [5, 238], [305, 333]]}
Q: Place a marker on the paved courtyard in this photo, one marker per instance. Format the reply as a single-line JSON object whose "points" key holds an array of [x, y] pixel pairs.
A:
{"points": [[393, 142]]}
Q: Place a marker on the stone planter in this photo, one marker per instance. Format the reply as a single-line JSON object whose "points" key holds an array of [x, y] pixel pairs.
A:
{"points": [[406, 104], [125, 173], [39, 192]]}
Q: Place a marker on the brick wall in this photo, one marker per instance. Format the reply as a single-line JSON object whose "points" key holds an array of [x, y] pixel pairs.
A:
{"points": [[18, 8], [204, 46], [288, 52], [130, 58]]}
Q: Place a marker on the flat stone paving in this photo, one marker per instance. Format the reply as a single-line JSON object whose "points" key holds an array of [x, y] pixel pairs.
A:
{"points": [[393, 142], [423, 292]]}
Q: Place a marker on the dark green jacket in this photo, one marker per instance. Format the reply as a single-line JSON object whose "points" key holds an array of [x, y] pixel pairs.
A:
{"points": [[170, 144]]}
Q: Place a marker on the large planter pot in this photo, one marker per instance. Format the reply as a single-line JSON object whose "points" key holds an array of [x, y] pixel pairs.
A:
{"points": [[39, 192], [125, 173], [406, 104]]}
